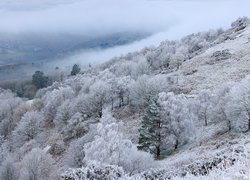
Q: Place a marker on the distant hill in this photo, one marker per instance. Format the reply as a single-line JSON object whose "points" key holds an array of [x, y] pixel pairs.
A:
{"points": [[32, 47]]}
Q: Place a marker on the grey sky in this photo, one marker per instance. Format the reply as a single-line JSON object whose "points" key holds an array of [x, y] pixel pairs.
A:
{"points": [[107, 16]]}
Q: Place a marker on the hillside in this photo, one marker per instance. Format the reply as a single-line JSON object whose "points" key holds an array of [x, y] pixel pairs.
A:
{"points": [[227, 60], [177, 111]]}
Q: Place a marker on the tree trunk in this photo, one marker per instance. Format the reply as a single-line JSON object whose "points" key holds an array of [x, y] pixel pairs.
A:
{"points": [[100, 114], [128, 100], [205, 120], [112, 104], [176, 144], [158, 152], [122, 101]]}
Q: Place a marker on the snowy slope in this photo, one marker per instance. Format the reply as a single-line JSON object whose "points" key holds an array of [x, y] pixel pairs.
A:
{"points": [[209, 72], [225, 157], [87, 125], [215, 150]]}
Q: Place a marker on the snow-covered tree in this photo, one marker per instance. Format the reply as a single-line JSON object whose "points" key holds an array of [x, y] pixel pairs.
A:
{"points": [[75, 127], [122, 90], [54, 99], [145, 88], [124, 68], [205, 104], [92, 104], [30, 125], [140, 68], [38, 165], [8, 105], [238, 106], [177, 119], [110, 147], [6, 126], [75, 154], [64, 113], [8, 170], [151, 137], [217, 110]]}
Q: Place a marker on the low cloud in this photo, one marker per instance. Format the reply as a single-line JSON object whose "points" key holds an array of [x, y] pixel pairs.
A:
{"points": [[85, 17], [93, 17]]}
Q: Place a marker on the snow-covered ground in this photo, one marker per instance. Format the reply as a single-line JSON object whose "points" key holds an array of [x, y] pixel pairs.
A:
{"points": [[211, 73]]}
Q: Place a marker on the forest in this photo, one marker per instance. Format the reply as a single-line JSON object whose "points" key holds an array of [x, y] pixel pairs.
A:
{"points": [[158, 113]]}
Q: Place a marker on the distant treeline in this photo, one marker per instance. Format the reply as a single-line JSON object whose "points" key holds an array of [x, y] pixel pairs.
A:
{"points": [[28, 86]]}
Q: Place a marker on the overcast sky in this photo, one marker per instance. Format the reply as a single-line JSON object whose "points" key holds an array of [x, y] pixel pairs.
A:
{"points": [[165, 19], [106, 16]]}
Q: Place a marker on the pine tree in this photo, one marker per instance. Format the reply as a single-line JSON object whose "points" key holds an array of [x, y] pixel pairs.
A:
{"points": [[75, 70], [39, 80], [150, 138]]}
